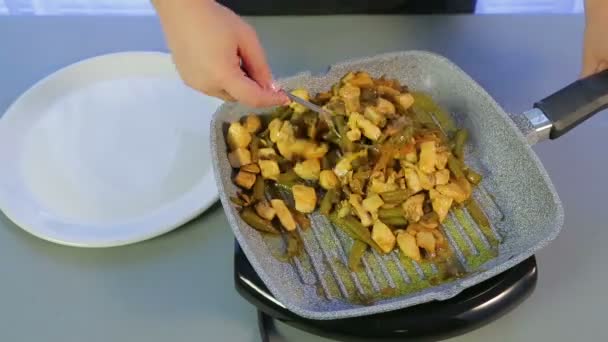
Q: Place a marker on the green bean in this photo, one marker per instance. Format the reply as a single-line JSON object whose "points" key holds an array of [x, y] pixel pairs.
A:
{"points": [[355, 255], [237, 201], [455, 167], [288, 179], [325, 165], [294, 245], [345, 144], [473, 177], [425, 103], [396, 196], [332, 137], [258, 223], [327, 202], [460, 139], [362, 175], [391, 213], [395, 221], [355, 229], [259, 189], [477, 214], [255, 146], [482, 220], [301, 219]]}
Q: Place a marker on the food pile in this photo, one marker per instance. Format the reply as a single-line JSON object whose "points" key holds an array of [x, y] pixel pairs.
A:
{"points": [[386, 168]]}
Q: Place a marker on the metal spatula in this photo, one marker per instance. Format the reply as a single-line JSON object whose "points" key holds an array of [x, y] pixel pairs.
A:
{"points": [[323, 113]]}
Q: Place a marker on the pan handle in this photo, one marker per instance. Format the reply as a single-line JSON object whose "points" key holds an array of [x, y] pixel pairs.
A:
{"points": [[572, 105]]}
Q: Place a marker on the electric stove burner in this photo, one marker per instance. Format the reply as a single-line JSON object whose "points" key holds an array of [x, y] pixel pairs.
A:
{"points": [[433, 321]]}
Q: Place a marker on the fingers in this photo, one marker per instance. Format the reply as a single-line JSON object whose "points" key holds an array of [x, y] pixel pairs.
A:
{"points": [[253, 57], [250, 93], [601, 66], [589, 66], [221, 94]]}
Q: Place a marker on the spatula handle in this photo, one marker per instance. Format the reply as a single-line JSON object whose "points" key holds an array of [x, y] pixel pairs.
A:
{"points": [[572, 105]]}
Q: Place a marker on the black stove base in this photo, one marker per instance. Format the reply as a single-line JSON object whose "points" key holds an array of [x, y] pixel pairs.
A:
{"points": [[433, 321]]}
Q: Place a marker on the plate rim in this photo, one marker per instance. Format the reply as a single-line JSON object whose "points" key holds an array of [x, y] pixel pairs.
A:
{"points": [[37, 224]]}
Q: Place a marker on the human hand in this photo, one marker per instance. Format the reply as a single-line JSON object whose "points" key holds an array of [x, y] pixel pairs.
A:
{"points": [[217, 52], [595, 52]]}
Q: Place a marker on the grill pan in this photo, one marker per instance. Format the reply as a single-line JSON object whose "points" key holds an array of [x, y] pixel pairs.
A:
{"points": [[516, 195]]}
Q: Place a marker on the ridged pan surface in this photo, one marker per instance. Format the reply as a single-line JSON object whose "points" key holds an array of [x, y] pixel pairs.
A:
{"points": [[517, 196]]}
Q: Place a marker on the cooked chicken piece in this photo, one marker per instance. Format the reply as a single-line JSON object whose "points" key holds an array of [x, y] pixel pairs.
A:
{"points": [[270, 169], [286, 133], [285, 216], [239, 157], [355, 202], [265, 211], [441, 204], [238, 136], [285, 148], [384, 90], [354, 134], [442, 177], [414, 228], [244, 179], [274, 127], [301, 147], [378, 185], [383, 236], [428, 157], [344, 209], [405, 100], [374, 116], [328, 180], [303, 94], [411, 157], [349, 76], [370, 130], [267, 153], [356, 184], [252, 123], [453, 191], [253, 168], [308, 169], [430, 220], [362, 80], [426, 240], [407, 245], [345, 163], [442, 160], [402, 184], [305, 198], [350, 95], [385, 107], [427, 181], [372, 203], [464, 184], [412, 180], [413, 207], [315, 151], [440, 241]]}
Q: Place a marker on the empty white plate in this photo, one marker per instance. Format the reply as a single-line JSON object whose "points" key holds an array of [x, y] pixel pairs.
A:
{"points": [[108, 151]]}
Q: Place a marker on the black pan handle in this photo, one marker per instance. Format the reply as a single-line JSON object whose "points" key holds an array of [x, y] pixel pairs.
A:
{"points": [[576, 103]]}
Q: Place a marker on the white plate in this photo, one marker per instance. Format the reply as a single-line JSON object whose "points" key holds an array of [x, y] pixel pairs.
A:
{"points": [[108, 151]]}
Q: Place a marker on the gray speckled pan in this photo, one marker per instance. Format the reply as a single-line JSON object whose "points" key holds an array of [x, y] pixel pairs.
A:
{"points": [[524, 209]]}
